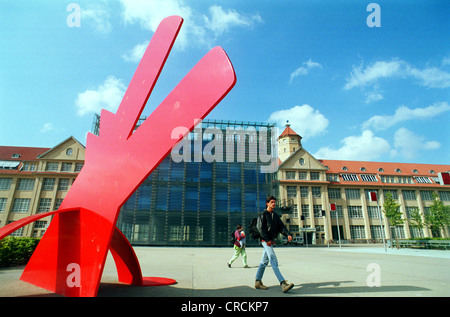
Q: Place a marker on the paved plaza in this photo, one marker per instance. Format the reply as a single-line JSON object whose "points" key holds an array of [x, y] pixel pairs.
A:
{"points": [[353, 271]]}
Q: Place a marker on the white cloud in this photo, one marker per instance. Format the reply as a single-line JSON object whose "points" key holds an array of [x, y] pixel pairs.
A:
{"points": [[409, 145], [304, 69], [135, 54], [430, 77], [197, 28], [221, 21], [365, 147], [98, 17], [304, 120], [373, 96], [107, 96], [47, 127], [404, 113]]}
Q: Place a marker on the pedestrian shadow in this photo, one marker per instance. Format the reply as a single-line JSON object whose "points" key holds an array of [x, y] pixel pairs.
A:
{"points": [[335, 287]]}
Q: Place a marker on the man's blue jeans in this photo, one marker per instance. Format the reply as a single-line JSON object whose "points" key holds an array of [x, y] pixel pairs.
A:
{"points": [[268, 255]]}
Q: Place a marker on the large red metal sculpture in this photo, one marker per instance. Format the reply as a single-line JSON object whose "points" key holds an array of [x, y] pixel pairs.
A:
{"points": [[116, 163]]}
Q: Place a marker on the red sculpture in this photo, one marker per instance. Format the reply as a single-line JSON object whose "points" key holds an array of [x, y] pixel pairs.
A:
{"points": [[116, 163]]}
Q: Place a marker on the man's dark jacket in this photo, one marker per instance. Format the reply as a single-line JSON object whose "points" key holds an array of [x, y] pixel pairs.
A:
{"points": [[269, 225]]}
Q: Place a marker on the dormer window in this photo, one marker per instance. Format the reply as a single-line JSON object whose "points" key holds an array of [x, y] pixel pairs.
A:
{"points": [[344, 168], [363, 169], [398, 170], [15, 155], [380, 170]]}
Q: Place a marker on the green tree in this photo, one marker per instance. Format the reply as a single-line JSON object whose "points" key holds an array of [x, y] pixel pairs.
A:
{"points": [[392, 211], [438, 216]]}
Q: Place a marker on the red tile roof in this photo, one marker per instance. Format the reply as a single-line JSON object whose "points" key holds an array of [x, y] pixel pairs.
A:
{"points": [[26, 153], [288, 131], [384, 169]]}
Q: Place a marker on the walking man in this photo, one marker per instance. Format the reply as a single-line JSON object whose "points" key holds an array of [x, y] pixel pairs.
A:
{"points": [[239, 246], [269, 226]]}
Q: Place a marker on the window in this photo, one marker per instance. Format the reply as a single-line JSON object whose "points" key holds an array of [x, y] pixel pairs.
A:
{"points": [[333, 177], [9, 165], [350, 177], [409, 194], [302, 161], [5, 183], [316, 192], [388, 179], [63, 184], [69, 152], [305, 211], [369, 178], [444, 196], [2, 204], [66, 167], [405, 180], [315, 176], [426, 194], [376, 232], [44, 204], [410, 210], [52, 166], [380, 170], [78, 167], [40, 224], [334, 193], [393, 192], [290, 175], [21, 205], [422, 180], [49, 184], [355, 212], [352, 193], [373, 212], [398, 170], [25, 184], [302, 175], [357, 232], [58, 203], [29, 167], [304, 191], [317, 210], [291, 191]]}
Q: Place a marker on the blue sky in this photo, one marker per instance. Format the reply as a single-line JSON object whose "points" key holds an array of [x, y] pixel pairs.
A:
{"points": [[351, 91]]}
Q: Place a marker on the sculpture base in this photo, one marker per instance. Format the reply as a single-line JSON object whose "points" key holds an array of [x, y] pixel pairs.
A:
{"points": [[157, 281]]}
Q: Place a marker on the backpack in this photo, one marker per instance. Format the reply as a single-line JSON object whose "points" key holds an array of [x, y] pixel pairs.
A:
{"points": [[253, 230], [232, 237]]}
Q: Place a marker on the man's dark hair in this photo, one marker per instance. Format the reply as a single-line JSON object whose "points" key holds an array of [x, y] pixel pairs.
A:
{"points": [[270, 198]]}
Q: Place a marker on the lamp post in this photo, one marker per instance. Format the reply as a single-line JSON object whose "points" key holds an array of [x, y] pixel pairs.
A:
{"points": [[373, 197], [333, 208]]}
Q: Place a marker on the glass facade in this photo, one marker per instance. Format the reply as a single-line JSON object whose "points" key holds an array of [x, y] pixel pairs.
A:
{"points": [[196, 202]]}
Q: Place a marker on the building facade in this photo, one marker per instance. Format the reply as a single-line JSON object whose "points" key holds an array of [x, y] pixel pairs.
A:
{"points": [[36, 180], [308, 186], [219, 177], [198, 194]]}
